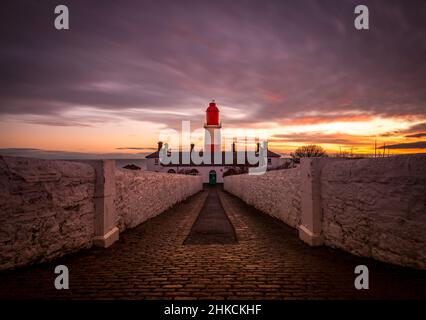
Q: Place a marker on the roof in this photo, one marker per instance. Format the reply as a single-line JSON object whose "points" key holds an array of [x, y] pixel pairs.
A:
{"points": [[272, 154], [152, 155]]}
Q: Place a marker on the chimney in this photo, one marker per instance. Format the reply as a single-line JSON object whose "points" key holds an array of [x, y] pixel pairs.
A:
{"points": [[160, 145], [257, 147], [192, 146], [233, 146]]}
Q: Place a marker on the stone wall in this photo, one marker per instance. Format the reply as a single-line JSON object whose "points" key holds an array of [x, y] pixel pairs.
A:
{"points": [[369, 207], [377, 208], [276, 193], [46, 209], [141, 195], [49, 208]]}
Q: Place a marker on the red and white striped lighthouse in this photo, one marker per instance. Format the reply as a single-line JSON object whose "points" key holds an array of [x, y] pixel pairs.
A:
{"points": [[212, 138]]}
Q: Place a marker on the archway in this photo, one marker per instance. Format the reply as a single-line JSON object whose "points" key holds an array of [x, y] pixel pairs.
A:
{"points": [[171, 171]]}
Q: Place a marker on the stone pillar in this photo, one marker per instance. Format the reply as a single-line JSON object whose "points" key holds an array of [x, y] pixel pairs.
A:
{"points": [[310, 229], [106, 232]]}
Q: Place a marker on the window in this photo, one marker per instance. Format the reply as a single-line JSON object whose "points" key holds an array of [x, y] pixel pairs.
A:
{"points": [[269, 160], [193, 172], [156, 161]]}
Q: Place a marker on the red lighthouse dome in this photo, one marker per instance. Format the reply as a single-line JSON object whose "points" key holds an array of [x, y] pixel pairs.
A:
{"points": [[212, 114]]}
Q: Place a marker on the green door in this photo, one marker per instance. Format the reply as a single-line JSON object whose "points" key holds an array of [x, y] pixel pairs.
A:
{"points": [[212, 177]]}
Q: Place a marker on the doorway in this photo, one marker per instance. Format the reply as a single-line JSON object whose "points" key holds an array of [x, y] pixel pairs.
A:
{"points": [[212, 177]]}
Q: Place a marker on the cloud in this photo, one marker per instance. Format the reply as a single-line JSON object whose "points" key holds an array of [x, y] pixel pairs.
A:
{"points": [[327, 118], [319, 138], [416, 135], [409, 145], [414, 131], [268, 62], [417, 127]]}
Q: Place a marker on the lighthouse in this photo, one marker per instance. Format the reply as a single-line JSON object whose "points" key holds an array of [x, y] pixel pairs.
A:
{"points": [[212, 164], [212, 126]]}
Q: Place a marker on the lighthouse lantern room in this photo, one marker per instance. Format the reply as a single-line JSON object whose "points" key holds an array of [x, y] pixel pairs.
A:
{"points": [[212, 139]]}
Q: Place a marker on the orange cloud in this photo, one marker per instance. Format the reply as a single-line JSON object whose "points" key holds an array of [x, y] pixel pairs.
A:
{"points": [[325, 119]]}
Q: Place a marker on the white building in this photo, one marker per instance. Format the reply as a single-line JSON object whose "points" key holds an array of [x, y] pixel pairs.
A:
{"points": [[212, 173]]}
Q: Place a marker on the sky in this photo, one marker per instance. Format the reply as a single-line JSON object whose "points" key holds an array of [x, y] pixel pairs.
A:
{"points": [[296, 71]]}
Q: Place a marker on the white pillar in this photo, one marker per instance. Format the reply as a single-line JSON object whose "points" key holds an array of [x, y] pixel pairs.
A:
{"points": [[106, 232], [310, 229]]}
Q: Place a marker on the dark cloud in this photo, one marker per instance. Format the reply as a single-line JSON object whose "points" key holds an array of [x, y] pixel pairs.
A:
{"points": [[416, 135], [415, 131], [417, 127], [409, 145], [269, 59]]}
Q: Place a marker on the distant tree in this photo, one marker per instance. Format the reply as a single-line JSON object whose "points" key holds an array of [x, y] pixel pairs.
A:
{"points": [[308, 151]]}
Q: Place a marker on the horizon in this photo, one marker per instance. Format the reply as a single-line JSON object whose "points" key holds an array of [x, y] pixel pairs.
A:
{"points": [[70, 155], [299, 73]]}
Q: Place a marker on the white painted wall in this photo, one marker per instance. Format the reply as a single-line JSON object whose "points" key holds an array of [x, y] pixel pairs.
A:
{"points": [[203, 170], [142, 195], [275, 162], [276, 193], [36, 198], [49, 208], [369, 207]]}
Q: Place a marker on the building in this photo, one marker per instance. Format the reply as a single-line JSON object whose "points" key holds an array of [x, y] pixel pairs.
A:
{"points": [[214, 171]]}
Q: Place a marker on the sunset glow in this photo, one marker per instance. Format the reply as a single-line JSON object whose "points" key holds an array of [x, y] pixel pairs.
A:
{"points": [[122, 74]]}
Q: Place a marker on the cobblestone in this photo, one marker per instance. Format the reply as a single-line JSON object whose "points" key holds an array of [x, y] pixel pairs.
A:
{"points": [[267, 262]]}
